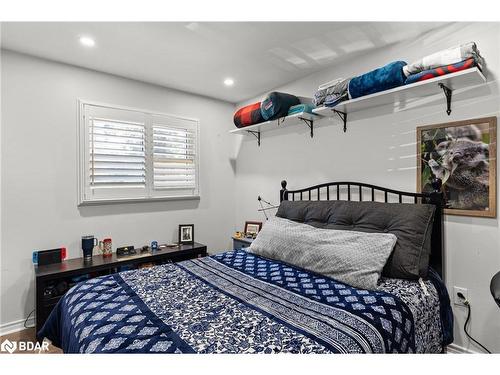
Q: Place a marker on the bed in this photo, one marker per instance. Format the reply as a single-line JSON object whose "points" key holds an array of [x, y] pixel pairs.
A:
{"points": [[240, 302]]}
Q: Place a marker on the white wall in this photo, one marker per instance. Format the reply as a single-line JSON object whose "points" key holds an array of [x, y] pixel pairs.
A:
{"points": [[379, 147], [39, 171]]}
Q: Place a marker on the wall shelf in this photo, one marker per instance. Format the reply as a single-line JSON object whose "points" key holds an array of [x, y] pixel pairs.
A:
{"points": [[297, 118], [443, 84]]}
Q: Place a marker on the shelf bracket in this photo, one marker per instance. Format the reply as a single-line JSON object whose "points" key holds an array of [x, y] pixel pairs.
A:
{"points": [[256, 134], [447, 92], [343, 117], [309, 123]]}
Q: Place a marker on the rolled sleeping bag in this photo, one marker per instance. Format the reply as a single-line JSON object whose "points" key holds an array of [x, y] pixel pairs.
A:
{"points": [[277, 104], [380, 79], [448, 56], [441, 71], [248, 115]]}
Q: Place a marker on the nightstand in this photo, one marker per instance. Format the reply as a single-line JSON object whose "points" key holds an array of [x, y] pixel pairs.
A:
{"points": [[239, 243]]}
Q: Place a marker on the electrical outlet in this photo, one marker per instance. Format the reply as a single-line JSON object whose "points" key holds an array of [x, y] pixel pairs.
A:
{"points": [[456, 299]]}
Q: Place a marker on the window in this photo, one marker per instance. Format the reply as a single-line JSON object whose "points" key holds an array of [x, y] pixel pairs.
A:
{"points": [[130, 154]]}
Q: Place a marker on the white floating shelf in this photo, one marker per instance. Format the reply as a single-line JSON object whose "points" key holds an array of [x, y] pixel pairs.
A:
{"points": [[400, 95], [274, 124], [452, 81], [297, 118]]}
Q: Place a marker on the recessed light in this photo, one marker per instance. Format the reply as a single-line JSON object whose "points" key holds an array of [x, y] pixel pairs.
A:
{"points": [[229, 81], [87, 41]]}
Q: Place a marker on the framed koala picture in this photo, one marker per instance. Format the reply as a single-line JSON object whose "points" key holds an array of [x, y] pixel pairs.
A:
{"points": [[463, 155]]}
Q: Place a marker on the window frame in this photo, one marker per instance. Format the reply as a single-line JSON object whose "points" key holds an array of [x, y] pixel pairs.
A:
{"points": [[150, 194]]}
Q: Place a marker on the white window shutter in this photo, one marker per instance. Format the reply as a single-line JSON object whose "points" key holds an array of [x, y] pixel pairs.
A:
{"points": [[174, 158], [128, 154], [117, 154]]}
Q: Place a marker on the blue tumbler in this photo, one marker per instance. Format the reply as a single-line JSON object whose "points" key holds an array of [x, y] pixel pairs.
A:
{"points": [[88, 243]]}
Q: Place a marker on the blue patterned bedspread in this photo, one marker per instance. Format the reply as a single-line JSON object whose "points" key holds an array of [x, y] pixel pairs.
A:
{"points": [[237, 302]]}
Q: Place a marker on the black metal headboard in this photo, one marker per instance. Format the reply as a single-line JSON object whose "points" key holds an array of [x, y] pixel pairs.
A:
{"points": [[359, 191]]}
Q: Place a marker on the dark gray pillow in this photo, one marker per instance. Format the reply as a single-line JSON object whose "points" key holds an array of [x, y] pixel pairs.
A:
{"points": [[411, 223]]}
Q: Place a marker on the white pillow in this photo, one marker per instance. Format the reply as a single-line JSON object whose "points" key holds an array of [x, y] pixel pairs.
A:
{"points": [[354, 258]]}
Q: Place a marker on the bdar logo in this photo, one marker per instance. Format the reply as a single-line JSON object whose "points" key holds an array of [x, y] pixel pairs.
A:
{"points": [[23, 346], [8, 346]]}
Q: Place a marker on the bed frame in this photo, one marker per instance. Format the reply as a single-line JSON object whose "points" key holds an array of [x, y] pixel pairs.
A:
{"points": [[367, 192]]}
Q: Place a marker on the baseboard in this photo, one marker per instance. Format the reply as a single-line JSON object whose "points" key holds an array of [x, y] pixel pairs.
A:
{"points": [[455, 349], [16, 326]]}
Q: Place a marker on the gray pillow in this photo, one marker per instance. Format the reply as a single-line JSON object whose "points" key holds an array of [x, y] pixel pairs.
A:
{"points": [[354, 258], [411, 223]]}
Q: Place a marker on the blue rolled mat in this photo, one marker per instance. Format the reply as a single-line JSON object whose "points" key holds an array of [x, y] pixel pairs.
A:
{"points": [[300, 108], [380, 79]]}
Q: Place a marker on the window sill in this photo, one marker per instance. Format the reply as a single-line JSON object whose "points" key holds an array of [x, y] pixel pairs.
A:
{"points": [[97, 202]]}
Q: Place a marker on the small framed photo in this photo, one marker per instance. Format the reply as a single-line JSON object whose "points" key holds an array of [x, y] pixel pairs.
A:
{"points": [[186, 233], [252, 227]]}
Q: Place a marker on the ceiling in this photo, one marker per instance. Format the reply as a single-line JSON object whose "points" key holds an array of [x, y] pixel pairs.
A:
{"points": [[197, 56]]}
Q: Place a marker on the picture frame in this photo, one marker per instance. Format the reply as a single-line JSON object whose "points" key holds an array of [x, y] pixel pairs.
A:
{"points": [[186, 233], [463, 155], [252, 227]]}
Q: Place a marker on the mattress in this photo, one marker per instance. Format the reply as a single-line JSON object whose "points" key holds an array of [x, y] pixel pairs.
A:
{"points": [[238, 302]]}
